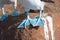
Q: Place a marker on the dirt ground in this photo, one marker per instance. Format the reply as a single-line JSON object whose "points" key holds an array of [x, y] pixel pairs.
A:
{"points": [[9, 31]]}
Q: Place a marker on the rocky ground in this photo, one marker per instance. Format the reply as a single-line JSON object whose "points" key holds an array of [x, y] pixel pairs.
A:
{"points": [[9, 31]]}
